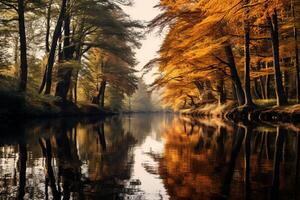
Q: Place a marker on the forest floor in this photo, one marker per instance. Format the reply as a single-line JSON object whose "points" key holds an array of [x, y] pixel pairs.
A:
{"points": [[264, 110], [14, 104]]}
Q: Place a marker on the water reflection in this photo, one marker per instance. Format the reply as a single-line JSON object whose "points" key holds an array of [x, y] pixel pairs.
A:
{"points": [[148, 157]]}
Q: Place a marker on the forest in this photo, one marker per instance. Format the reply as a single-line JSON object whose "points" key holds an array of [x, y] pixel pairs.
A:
{"points": [[87, 111], [68, 55], [219, 55]]}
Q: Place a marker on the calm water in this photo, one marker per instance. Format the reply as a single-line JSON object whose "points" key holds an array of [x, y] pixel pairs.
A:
{"points": [[148, 157]]}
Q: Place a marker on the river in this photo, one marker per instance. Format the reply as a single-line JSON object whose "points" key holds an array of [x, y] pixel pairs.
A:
{"points": [[148, 156]]}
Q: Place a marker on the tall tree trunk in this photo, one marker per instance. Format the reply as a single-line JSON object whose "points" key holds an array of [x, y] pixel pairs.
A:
{"points": [[47, 49], [63, 84], [65, 73], [280, 95], [286, 78], [247, 80], [99, 99], [103, 86], [267, 85], [296, 62], [51, 59], [23, 46], [75, 86], [16, 56], [234, 75], [48, 26], [256, 90], [261, 83]]}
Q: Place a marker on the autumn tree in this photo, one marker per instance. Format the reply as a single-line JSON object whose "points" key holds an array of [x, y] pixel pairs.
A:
{"points": [[221, 36]]}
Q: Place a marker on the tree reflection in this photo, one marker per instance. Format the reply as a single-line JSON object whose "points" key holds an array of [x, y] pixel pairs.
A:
{"points": [[248, 161], [101, 134], [47, 153], [22, 167], [202, 159], [226, 185], [297, 166]]}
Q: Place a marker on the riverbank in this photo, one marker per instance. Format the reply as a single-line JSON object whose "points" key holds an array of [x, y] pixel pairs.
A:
{"points": [[211, 110], [264, 111], [30, 104], [18, 106]]}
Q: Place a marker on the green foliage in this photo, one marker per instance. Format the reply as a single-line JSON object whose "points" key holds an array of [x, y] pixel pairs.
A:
{"points": [[101, 44]]}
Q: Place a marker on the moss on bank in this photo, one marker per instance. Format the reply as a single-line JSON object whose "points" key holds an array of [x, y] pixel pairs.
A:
{"points": [[14, 104]]}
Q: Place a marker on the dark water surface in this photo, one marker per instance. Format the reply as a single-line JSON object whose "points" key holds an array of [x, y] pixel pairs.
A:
{"points": [[148, 157]]}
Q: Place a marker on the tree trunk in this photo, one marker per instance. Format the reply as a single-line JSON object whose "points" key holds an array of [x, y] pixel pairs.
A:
{"points": [[208, 90], [65, 73], [221, 91], [63, 83], [23, 46], [47, 49], [51, 59], [99, 99], [103, 86], [261, 83], [267, 86], [234, 75], [75, 86], [296, 62], [286, 78], [199, 87], [16, 56], [280, 95], [48, 26], [256, 90], [247, 80]]}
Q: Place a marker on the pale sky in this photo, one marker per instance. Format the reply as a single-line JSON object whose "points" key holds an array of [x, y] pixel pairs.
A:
{"points": [[144, 10]]}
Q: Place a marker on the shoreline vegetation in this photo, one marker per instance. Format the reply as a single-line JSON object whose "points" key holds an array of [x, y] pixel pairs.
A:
{"points": [[237, 62], [264, 111], [219, 52], [30, 104]]}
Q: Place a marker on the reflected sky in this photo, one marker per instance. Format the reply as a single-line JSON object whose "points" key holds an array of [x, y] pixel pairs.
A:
{"points": [[148, 157]]}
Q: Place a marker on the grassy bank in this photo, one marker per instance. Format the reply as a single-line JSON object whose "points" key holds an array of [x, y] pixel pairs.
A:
{"points": [[14, 104]]}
